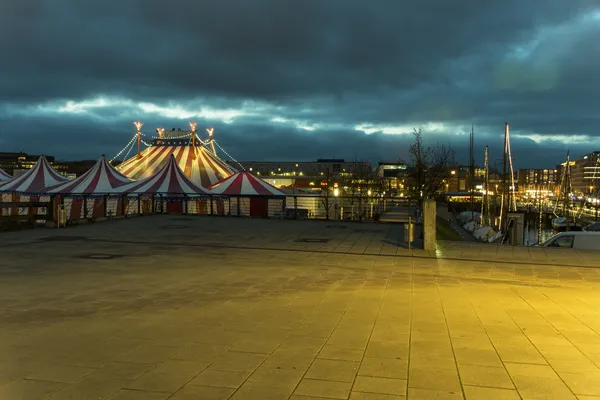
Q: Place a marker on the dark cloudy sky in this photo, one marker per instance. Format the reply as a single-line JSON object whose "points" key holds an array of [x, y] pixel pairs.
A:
{"points": [[297, 80]]}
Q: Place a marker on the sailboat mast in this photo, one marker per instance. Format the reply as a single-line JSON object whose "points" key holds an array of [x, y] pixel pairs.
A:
{"points": [[472, 172], [485, 209], [504, 173], [566, 205]]}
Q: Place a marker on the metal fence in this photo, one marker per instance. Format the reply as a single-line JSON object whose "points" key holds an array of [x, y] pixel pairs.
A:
{"points": [[73, 209]]}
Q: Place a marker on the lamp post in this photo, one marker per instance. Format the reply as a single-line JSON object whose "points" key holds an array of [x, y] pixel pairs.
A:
{"points": [[211, 131], [138, 126], [193, 128], [336, 193]]}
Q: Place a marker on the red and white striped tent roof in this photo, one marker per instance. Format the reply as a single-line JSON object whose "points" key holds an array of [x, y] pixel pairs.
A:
{"points": [[245, 184], [198, 163], [4, 176], [169, 180], [41, 176], [102, 178]]}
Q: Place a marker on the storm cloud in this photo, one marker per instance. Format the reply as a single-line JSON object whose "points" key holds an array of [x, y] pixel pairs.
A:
{"points": [[297, 80]]}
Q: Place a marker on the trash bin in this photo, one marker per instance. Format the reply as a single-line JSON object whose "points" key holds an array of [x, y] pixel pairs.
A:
{"points": [[62, 216]]}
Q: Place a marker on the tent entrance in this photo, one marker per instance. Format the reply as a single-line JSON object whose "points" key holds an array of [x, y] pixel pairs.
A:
{"points": [[259, 207], [174, 207]]}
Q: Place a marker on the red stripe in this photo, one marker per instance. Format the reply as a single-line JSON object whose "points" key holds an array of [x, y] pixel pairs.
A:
{"points": [[164, 173], [204, 178], [183, 178], [115, 178], [174, 187], [91, 188], [179, 155], [68, 187], [188, 163], [15, 184], [235, 187], [38, 181], [260, 189], [51, 172], [148, 158], [216, 162], [212, 165]]}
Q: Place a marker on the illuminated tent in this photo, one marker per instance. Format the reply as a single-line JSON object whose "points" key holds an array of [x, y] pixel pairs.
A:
{"points": [[169, 187], [102, 178], [249, 195], [245, 184], [93, 194], [169, 181], [30, 184], [197, 162], [4, 176], [41, 176]]}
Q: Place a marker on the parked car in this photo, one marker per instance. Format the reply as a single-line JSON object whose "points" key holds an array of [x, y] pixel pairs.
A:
{"points": [[595, 227], [575, 240]]}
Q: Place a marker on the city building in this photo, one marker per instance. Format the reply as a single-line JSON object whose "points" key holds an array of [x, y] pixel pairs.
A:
{"points": [[303, 174], [585, 174], [17, 163], [459, 180], [78, 168], [394, 175], [537, 182]]}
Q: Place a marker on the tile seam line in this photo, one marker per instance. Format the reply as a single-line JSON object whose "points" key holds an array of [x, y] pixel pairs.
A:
{"points": [[441, 302], [554, 326], [329, 337], [470, 299], [548, 364], [333, 252]]}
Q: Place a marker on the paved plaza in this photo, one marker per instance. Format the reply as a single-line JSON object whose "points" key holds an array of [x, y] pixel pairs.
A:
{"points": [[181, 308]]}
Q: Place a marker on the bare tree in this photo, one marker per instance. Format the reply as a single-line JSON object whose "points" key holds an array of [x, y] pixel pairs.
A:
{"points": [[428, 168], [328, 178], [362, 182]]}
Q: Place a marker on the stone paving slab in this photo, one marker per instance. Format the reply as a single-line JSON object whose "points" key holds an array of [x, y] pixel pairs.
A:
{"points": [[224, 308]]}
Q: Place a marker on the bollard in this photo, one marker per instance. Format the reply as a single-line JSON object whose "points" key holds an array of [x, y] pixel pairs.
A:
{"points": [[409, 232], [429, 225], [62, 216]]}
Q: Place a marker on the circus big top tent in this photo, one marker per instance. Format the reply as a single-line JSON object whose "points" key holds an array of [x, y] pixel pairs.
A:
{"points": [[33, 181], [101, 179], [175, 190], [245, 184], [201, 165], [169, 180], [250, 195], [100, 182]]}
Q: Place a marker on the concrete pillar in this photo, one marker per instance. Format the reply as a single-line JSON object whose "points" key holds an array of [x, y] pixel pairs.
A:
{"points": [[429, 215]]}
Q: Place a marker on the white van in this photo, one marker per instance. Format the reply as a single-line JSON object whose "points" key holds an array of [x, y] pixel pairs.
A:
{"points": [[575, 240]]}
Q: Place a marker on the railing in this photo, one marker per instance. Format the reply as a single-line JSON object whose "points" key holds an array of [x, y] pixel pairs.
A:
{"points": [[90, 208], [16, 213]]}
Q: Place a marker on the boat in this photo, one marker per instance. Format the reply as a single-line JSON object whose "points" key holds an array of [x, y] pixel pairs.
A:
{"points": [[559, 224]]}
